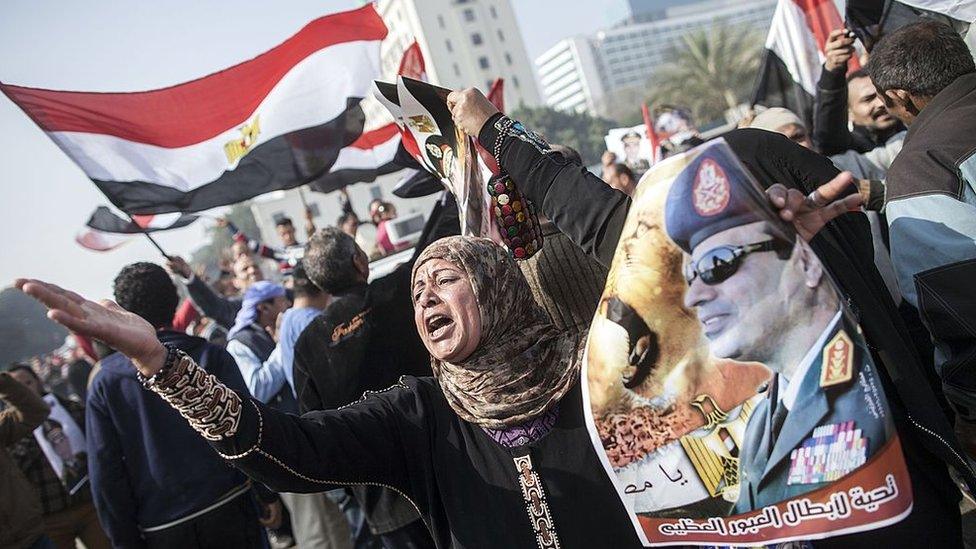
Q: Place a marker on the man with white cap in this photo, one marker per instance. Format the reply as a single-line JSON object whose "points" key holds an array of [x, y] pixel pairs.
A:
{"points": [[250, 342], [870, 165]]}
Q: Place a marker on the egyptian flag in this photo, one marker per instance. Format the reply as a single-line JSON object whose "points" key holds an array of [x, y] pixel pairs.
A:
{"points": [[652, 135], [98, 241], [363, 160], [378, 151], [794, 56], [412, 65], [106, 231], [870, 19], [104, 220], [275, 122]]}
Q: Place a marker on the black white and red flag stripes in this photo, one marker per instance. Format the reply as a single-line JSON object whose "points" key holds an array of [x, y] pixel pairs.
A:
{"points": [[871, 19], [274, 122], [369, 156], [105, 220], [794, 54], [794, 48], [375, 153], [98, 241], [105, 230]]}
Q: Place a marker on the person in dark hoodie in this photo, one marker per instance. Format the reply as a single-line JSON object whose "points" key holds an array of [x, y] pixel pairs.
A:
{"points": [[156, 483]]}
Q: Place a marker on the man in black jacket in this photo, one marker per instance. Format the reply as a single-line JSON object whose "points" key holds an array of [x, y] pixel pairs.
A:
{"points": [[592, 214], [927, 76], [364, 341], [843, 99]]}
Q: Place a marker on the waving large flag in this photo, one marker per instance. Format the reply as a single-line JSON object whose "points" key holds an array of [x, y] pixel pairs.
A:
{"points": [[794, 54], [794, 47], [363, 160], [274, 122], [870, 19], [375, 152]]}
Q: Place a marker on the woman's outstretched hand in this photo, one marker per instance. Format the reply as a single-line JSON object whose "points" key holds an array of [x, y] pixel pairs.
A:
{"points": [[809, 213], [121, 330]]}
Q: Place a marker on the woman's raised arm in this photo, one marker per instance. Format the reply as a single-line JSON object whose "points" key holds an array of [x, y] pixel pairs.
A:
{"points": [[586, 209], [360, 444]]}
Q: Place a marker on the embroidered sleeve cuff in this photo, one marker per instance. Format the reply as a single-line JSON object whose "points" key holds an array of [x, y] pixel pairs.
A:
{"points": [[489, 133], [250, 434], [211, 408]]}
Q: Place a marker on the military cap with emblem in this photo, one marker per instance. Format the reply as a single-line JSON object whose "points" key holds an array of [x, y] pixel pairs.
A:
{"points": [[713, 194], [630, 135]]}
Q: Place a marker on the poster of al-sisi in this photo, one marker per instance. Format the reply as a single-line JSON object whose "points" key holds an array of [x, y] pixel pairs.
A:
{"points": [[729, 392]]}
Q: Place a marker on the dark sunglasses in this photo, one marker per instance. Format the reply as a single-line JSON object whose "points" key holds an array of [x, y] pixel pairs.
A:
{"points": [[719, 264]]}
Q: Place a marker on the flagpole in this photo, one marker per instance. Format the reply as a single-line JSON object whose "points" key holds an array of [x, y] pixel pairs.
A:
{"points": [[156, 244], [149, 237]]}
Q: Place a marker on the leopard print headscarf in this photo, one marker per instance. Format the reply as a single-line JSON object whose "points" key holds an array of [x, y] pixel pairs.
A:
{"points": [[522, 365]]}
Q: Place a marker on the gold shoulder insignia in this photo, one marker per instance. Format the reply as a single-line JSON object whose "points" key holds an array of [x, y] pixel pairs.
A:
{"points": [[838, 360]]}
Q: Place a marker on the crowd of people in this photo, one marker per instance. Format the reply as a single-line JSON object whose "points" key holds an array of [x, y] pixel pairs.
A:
{"points": [[441, 405]]}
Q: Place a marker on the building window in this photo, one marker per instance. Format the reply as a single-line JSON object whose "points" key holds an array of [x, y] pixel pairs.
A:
{"points": [[494, 14], [476, 39], [483, 62], [457, 70], [450, 48], [515, 81], [440, 21], [508, 58], [468, 14], [501, 35]]}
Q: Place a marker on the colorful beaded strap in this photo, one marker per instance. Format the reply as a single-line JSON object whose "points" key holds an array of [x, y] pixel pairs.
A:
{"points": [[515, 217]]}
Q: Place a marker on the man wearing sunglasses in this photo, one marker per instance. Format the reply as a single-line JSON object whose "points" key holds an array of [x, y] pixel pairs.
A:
{"points": [[762, 295]]}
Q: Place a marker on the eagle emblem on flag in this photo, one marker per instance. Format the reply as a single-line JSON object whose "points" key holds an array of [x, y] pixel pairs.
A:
{"points": [[235, 149]]}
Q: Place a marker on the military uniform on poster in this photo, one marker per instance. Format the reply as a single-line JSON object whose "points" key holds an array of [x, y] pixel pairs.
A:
{"points": [[836, 424]]}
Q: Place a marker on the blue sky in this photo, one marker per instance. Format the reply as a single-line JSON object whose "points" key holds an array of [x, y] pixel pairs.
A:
{"points": [[101, 45]]}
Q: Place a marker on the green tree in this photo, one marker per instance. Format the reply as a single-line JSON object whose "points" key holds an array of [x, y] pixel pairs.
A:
{"points": [[219, 239], [579, 131], [624, 105], [710, 72]]}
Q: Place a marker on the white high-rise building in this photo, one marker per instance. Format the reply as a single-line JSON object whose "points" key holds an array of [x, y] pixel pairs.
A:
{"points": [[464, 42], [570, 75], [578, 72], [631, 53]]}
